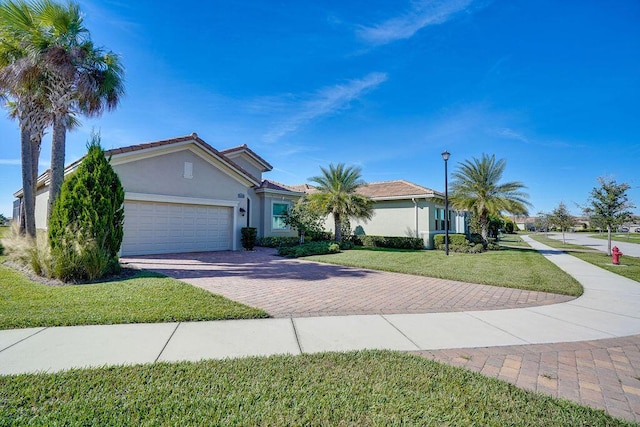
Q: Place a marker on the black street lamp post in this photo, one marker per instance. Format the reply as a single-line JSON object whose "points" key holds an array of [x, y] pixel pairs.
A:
{"points": [[445, 157]]}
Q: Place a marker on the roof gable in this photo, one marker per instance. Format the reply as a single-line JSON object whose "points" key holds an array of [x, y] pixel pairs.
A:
{"points": [[248, 154], [149, 149]]}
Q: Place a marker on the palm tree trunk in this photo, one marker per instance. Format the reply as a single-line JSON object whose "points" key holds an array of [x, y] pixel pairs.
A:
{"points": [[58, 147], [28, 185], [338, 227], [484, 228]]}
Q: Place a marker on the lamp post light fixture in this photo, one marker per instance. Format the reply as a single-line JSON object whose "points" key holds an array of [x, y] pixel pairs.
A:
{"points": [[445, 157]]}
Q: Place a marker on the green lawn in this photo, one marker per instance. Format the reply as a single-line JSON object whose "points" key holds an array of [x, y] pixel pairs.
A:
{"points": [[509, 267], [512, 240], [631, 237], [143, 298], [357, 388]]}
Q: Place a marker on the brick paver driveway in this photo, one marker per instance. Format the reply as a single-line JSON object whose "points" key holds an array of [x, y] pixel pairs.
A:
{"points": [[290, 287]]}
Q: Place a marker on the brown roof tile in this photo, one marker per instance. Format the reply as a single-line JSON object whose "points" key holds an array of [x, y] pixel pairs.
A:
{"points": [[396, 188], [379, 190], [303, 188], [274, 185]]}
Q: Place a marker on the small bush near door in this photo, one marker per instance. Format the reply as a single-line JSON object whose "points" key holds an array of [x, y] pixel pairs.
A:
{"points": [[249, 237]]}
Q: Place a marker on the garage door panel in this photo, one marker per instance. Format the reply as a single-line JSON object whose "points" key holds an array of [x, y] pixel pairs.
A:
{"points": [[152, 228]]}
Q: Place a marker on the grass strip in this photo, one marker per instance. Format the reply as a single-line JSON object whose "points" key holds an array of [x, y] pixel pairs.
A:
{"points": [[511, 240], [558, 244], [510, 267], [357, 388], [144, 298], [629, 266], [631, 237]]}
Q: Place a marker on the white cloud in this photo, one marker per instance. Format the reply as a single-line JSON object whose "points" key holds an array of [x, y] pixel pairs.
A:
{"points": [[324, 102], [509, 133], [10, 162], [423, 13]]}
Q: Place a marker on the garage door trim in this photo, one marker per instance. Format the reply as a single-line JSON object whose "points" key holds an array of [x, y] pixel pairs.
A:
{"points": [[163, 198]]}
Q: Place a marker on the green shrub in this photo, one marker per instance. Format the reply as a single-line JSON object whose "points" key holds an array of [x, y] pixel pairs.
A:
{"points": [[509, 227], [460, 243], [346, 245], [308, 249], [454, 239], [249, 235], [394, 242], [475, 238], [86, 224], [277, 242]]}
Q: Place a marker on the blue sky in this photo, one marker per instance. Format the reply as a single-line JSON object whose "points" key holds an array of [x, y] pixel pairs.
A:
{"points": [[551, 86]]}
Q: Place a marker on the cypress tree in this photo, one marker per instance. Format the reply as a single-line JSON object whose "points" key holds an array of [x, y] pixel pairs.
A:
{"points": [[86, 224]]}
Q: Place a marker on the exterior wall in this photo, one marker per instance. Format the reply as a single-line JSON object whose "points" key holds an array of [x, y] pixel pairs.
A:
{"points": [[395, 218], [248, 165], [265, 228], [164, 174], [42, 200], [16, 210], [398, 218]]}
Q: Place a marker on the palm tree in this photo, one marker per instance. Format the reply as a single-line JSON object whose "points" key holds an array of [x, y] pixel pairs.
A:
{"points": [[476, 187], [80, 78], [337, 195], [21, 78], [69, 75]]}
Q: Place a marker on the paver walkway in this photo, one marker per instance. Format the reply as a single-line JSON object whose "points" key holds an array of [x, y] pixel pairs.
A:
{"points": [[297, 288], [603, 374]]}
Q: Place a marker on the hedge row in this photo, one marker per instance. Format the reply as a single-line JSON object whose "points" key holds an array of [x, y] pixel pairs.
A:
{"points": [[461, 243], [388, 242], [277, 242], [308, 249], [454, 239]]}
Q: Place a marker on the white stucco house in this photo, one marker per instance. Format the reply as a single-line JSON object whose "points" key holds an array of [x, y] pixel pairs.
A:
{"points": [[183, 195]]}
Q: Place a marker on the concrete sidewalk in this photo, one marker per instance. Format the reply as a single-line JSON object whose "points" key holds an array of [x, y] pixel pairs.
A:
{"points": [[608, 309]]}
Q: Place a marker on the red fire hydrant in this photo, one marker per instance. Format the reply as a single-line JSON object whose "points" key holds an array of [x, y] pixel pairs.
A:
{"points": [[616, 254]]}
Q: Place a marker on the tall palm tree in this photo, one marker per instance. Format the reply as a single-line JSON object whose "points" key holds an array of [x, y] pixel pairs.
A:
{"points": [[476, 187], [337, 195], [21, 78], [70, 76], [80, 78]]}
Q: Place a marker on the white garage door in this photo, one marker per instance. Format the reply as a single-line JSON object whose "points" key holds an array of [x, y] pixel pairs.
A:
{"points": [[156, 228]]}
